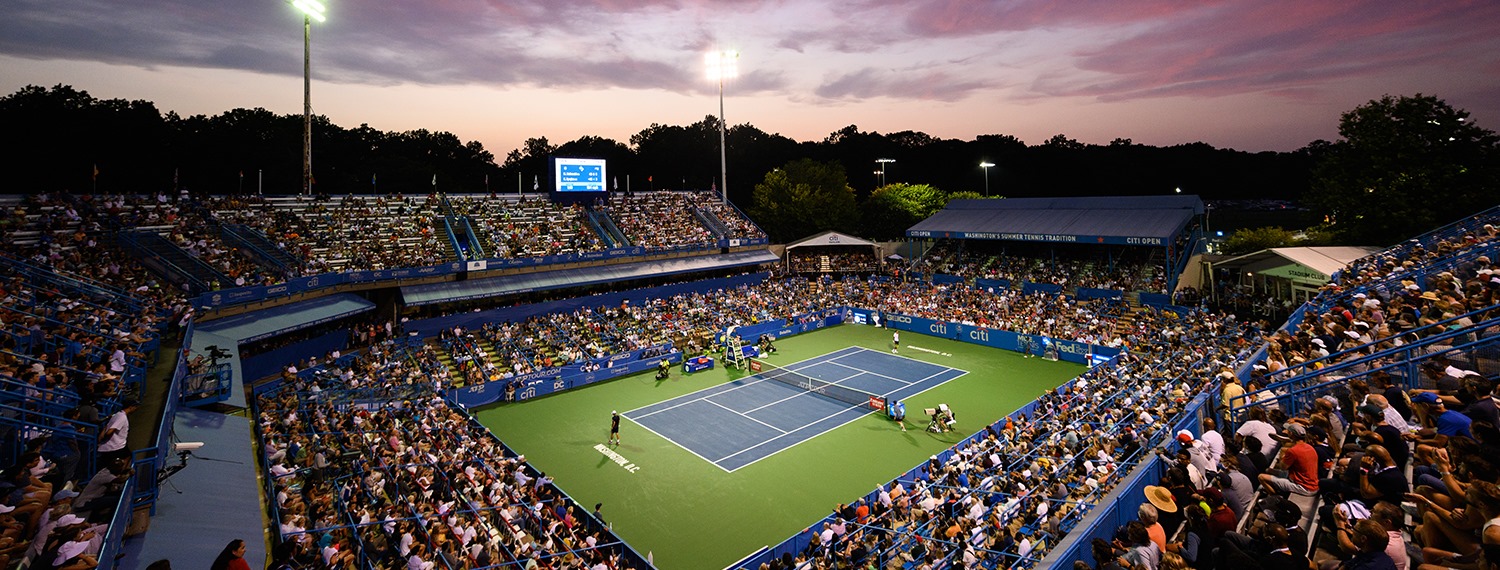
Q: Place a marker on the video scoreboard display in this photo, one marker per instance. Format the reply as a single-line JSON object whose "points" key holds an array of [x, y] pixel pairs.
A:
{"points": [[579, 175]]}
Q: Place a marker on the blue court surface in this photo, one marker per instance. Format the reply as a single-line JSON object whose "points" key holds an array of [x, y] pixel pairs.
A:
{"points": [[735, 424]]}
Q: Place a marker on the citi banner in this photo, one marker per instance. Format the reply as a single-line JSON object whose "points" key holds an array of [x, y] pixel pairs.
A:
{"points": [[1071, 351]]}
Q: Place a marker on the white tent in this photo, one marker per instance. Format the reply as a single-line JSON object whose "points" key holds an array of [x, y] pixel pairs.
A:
{"points": [[830, 239], [1293, 272]]}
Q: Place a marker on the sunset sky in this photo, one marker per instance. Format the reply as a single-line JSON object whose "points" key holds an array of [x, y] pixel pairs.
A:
{"points": [[1265, 75]]}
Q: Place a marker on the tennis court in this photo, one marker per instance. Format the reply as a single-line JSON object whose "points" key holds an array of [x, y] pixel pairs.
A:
{"points": [[738, 423]]}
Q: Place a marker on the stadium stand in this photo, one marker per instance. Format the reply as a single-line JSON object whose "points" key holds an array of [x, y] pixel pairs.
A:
{"points": [[1358, 430]]}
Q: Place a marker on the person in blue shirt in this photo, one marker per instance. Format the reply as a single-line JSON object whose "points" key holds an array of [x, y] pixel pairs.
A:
{"points": [[898, 413]]}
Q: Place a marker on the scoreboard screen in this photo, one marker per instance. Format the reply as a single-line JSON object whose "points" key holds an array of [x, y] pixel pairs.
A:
{"points": [[578, 175]]}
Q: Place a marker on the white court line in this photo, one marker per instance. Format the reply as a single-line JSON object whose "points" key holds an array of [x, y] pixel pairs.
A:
{"points": [[732, 410], [945, 370], [805, 392], [758, 379], [684, 447], [804, 439], [962, 373], [797, 395], [870, 373], [910, 358], [800, 366]]}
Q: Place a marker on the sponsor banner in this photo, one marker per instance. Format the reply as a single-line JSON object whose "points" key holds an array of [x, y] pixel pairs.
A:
{"points": [[1071, 351], [477, 265], [942, 279], [1053, 238], [780, 328], [538, 384], [696, 364], [512, 262], [304, 284]]}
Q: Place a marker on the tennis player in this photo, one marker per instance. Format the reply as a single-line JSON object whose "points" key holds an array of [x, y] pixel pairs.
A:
{"points": [[614, 427], [895, 342]]}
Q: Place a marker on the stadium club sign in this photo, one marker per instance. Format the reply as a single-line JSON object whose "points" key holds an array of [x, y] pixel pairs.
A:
{"points": [[1061, 238]]}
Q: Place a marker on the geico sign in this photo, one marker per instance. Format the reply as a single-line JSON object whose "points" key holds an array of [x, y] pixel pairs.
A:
{"points": [[898, 319]]}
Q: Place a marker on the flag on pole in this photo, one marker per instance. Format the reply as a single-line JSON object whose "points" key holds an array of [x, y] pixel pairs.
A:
{"points": [[713, 186], [536, 183], [96, 171], [617, 183], [242, 175], [434, 180], [372, 179], [486, 180]]}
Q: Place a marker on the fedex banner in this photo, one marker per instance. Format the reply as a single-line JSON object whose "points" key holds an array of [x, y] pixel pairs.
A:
{"points": [[1068, 350]]}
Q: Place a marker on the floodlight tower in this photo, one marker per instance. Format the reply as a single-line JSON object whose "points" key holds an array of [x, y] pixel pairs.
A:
{"points": [[311, 10], [721, 65], [986, 166], [883, 162]]}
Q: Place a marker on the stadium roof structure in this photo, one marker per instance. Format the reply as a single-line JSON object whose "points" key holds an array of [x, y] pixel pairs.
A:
{"points": [[266, 323], [1311, 265], [1112, 220], [831, 238], [417, 295]]}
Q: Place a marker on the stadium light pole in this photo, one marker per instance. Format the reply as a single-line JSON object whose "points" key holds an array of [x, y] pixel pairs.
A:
{"points": [[986, 166], [311, 10], [721, 65], [883, 162]]}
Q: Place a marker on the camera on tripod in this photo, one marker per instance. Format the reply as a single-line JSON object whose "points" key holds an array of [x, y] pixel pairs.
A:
{"points": [[215, 354]]}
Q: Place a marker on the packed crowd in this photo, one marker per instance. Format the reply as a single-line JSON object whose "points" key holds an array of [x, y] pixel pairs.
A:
{"points": [[660, 220], [371, 469], [1010, 494], [69, 234], [833, 262], [734, 223], [1127, 272], [690, 321], [528, 226], [349, 233], [1352, 453], [79, 322]]}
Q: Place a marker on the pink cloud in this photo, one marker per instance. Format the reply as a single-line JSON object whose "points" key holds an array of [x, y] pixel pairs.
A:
{"points": [[1244, 48]]}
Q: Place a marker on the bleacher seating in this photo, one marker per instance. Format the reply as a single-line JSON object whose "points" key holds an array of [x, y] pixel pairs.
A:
{"points": [[365, 454]]}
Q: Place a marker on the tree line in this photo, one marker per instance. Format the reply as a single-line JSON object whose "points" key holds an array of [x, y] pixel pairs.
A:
{"points": [[73, 141]]}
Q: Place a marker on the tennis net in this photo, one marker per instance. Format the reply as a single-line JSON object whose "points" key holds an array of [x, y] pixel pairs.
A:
{"points": [[823, 388]]}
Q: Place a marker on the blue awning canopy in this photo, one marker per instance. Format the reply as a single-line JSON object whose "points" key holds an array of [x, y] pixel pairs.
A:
{"points": [[266, 323], [1114, 220], [417, 295]]}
